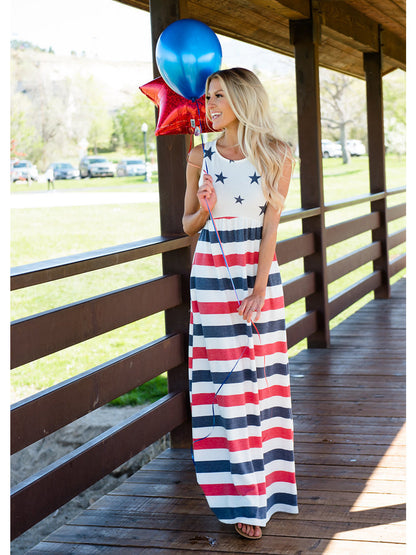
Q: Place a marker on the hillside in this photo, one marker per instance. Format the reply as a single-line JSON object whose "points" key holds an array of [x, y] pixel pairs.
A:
{"points": [[118, 81]]}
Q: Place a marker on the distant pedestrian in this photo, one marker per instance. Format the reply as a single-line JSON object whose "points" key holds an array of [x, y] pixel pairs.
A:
{"points": [[50, 178]]}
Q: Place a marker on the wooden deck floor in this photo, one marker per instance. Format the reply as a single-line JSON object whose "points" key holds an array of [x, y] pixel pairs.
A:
{"points": [[348, 403]]}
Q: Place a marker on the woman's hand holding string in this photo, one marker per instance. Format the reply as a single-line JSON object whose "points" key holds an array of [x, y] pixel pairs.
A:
{"points": [[251, 305], [206, 193]]}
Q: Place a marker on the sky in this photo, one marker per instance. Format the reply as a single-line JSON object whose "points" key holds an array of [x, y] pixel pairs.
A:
{"points": [[109, 30], [102, 28]]}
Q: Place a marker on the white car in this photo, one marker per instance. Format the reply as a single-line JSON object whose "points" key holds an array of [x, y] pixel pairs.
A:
{"points": [[131, 166], [23, 170], [96, 166], [331, 149], [355, 147]]}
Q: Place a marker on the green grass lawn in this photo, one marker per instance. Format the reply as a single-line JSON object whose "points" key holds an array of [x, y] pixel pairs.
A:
{"points": [[93, 184], [44, 233]]}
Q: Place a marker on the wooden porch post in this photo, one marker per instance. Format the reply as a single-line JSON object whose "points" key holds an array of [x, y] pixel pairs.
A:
{"points": [[172, 152], [305, 37], [376, 159]]}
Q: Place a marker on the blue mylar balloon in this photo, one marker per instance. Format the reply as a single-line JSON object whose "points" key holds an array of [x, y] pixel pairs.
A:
{"points": [[187, 52]]}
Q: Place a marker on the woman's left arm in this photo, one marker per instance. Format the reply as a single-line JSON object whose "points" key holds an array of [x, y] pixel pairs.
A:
{"points": [[254, 302]]}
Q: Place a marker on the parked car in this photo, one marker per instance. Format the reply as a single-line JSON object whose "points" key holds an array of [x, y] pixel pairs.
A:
{"points": [[355, 147], [63, 170], [131, 166], [96, 166], [23, 170], [331, 149]]}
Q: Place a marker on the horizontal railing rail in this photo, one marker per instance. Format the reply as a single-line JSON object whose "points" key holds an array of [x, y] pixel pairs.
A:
{"points": [[41, 334], [346, 264], [369, 197], [66, 266]]}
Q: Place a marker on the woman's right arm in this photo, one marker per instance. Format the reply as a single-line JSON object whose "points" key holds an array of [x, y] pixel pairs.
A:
{"points": [[195, 212]]}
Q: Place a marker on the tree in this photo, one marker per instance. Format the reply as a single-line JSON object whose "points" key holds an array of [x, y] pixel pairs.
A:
{"points": [[394, 96], [25, 139], [129, 119], [342, 99], [282, 95], [50, 115]]}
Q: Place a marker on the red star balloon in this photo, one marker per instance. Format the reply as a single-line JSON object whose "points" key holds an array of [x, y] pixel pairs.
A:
{"points": [[177, 115]]}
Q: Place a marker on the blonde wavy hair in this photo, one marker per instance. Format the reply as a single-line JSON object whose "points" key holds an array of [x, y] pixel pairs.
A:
{"points": [[256, 132]]}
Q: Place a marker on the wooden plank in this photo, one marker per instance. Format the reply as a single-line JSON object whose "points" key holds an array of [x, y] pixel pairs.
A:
{"points": [[349, 25], [51, 331], [345, 230], [351, 472], [366, 438], [308, 548], [357, 486], [295, 247], [314, 427], [398, 264], [391, 423], [390, 13], [398, 462], [345, 264], [396, 238], [364, 408], [339, 381], [197, 505], [352, 294], [301, 327], [346, 394], [334, 514], [74, 264], [306, 424], [299, 287], [222, 542], [396, 212], [64, 548]]}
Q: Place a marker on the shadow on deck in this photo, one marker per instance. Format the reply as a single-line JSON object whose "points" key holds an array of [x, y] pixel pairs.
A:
{"points": [[349, 410]]}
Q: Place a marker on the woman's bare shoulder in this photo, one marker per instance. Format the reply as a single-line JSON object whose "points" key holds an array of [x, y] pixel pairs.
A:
{"points": [[196, 156]]}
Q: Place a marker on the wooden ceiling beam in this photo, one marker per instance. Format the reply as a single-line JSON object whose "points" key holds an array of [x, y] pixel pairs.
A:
{"points": [[345, 21], [289, 9], [393, 47], [389, 13], [140, 4]]}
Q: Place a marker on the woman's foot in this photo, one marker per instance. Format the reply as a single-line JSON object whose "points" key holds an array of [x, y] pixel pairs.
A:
{"points": [[248, 531]]}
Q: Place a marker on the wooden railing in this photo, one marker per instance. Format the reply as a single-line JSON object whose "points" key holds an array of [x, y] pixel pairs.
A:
{"points": [[41, 334]]}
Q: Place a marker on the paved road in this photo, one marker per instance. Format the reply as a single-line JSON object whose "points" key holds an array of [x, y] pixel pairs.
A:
{"points": [[72, 198]]}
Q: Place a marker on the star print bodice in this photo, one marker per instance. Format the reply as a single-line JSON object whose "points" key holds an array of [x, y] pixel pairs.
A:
{"points": [[237, 185]]}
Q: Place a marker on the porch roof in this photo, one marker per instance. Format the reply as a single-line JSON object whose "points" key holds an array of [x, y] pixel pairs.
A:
{"points": [[348, 27]]}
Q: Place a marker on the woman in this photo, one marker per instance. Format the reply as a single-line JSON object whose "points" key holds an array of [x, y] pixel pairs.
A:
{"points": [[239, 381]]}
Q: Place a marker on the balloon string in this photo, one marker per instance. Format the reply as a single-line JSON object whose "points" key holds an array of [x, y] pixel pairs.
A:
{"points": [[222, 252]]}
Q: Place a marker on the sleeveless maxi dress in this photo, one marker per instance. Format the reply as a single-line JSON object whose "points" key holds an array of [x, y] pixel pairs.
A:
{"points": [[239, 380]]}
